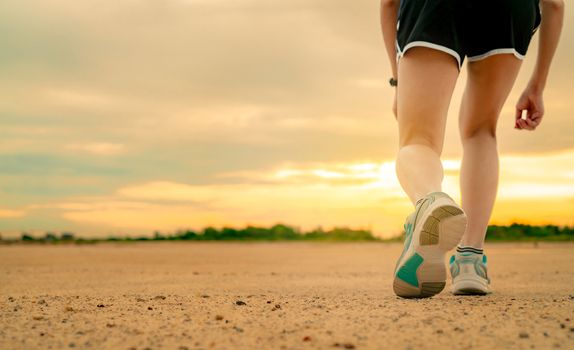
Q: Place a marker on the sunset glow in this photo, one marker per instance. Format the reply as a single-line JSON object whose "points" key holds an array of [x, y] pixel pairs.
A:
{"points": [[130, 117]]}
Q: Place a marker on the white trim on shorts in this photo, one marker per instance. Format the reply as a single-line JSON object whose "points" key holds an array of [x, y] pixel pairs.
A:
{"points": [[496, 52], [400, 53]]}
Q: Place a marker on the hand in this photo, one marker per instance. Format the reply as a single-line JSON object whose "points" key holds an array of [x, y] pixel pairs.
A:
{"points": [[532, 102], [395, 104]]}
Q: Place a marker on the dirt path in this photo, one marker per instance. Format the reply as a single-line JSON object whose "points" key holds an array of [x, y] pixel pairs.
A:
{"points": [[272, 296]]}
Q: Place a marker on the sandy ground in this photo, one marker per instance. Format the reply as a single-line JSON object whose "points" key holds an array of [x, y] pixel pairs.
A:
{"points": [[272, 296]]}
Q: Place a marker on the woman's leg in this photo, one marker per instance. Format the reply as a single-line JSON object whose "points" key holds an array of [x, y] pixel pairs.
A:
{"points": [[488, 85], [426, 81]]}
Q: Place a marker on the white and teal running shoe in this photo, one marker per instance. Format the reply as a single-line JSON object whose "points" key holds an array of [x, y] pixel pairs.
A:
{"points": [[435, 227], [469, 274]]}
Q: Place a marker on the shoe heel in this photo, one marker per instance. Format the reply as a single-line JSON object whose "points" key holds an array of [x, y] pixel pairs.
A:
{"points": [[426, 290], [444, 227]]}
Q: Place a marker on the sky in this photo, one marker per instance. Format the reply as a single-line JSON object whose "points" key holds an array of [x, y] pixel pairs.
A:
{"points": [[127, 117]]}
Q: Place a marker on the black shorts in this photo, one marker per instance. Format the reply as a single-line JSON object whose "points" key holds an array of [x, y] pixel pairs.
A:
{"points": [[473, 28]]}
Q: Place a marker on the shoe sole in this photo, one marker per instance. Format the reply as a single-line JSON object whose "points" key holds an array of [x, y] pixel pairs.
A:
{"points": [[422, 272], [469, 287]]}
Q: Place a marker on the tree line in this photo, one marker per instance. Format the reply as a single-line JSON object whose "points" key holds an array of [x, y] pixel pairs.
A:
{"points": [[281, 232]]}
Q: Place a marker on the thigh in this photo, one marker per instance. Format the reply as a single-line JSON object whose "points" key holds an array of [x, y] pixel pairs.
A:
{"points": [[488, 85], [426, 81]]}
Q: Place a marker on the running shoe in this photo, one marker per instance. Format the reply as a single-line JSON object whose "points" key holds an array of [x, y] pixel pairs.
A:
{"points": [[435, 227], [469, 274]]}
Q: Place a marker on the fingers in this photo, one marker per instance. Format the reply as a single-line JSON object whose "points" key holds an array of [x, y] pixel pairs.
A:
{"points": [[531, 121], [523, 125], [519, 122], [529, 112], [518, 114]]}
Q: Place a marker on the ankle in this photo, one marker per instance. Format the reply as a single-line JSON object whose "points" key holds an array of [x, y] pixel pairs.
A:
{"points": [[464, 249]]}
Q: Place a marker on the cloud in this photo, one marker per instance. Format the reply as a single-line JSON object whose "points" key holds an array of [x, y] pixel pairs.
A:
{"points": [[8, 213], [362, 194], [98, 148]]}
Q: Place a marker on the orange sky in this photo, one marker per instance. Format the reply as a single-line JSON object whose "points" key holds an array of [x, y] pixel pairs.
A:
{"points": [[134, 116]]}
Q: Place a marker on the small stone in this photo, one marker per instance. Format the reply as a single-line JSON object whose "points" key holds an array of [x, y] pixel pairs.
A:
{"points": [[240, 303], [439, 331], [69, 308], [101, 305], [562, 325], [546, 334], [344, 345], [571, 329], [140, 300], [306, 338], [42, 302], [160, 297], [239, 330], [205, 296], [523, 335], [38, 318], [150, 308], [110, 325], [218, 317]]}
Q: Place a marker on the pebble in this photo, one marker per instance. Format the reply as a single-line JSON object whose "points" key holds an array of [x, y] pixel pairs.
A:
{"points": [[306, 338], [160, 297], [523, 335], [219, 317], [239, 302], [101, 305]]}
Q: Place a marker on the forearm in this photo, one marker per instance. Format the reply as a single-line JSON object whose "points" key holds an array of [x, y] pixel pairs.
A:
{"points": [[549, 35], [389, 10]]}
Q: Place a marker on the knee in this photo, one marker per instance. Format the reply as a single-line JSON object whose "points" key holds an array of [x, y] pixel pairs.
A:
{"points": [[483, 130], [421, 138]]}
